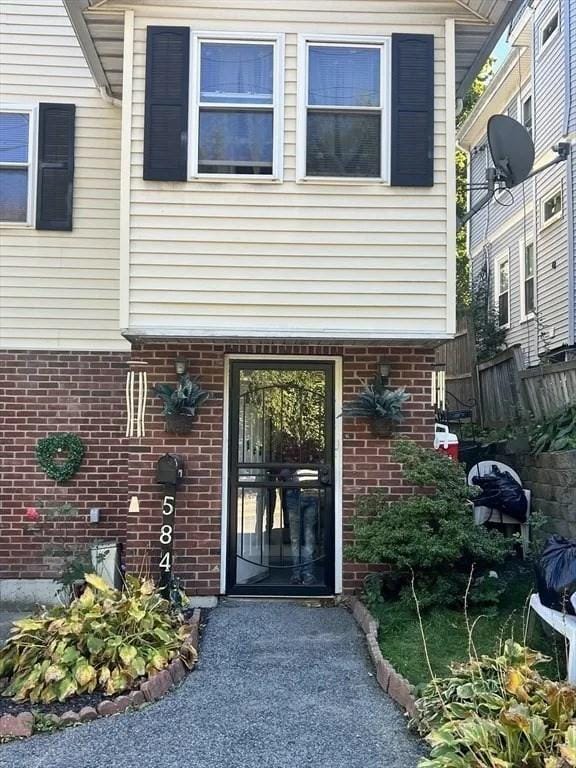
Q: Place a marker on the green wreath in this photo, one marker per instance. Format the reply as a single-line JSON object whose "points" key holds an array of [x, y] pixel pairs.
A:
{"points": [[48, 455]]}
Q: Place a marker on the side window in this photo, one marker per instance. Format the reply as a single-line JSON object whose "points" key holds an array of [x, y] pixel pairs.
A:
{"points": [[345, 110], [528, 280], [551, 209], [503, 290], [526, 114], [237, 121], [37, 166], [16, 177], [548, 30]]}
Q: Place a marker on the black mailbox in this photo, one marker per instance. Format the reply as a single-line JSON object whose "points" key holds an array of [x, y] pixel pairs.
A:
{"points": [[170, 469]]}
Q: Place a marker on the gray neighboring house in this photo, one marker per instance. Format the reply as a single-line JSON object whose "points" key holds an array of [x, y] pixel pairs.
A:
{"points": [[525, 239]]}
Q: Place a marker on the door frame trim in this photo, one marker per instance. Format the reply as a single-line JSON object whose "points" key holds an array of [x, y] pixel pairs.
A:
{"points": [[337, 360]]}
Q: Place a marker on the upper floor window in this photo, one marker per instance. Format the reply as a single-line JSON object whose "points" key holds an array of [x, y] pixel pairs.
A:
{"points": [[503, 290], [549, 29], [345, 110], [552, 208], [526, 114], [236, 108], [528, 279], [16, 178]]}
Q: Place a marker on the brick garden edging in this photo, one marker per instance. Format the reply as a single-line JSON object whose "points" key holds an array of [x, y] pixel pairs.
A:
{"points": [[391, 682], [153, 688]]}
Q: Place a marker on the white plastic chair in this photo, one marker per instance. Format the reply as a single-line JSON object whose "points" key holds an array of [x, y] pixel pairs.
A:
{"points": [[562, 623], [487, 514]]}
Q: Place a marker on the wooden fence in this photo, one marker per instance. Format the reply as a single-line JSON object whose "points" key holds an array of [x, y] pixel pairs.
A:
{"points": [[547, 388], [457, 358], [502, 390]]}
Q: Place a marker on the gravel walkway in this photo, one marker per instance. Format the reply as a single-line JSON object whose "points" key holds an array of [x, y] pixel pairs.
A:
{"points": [[279, 685]]}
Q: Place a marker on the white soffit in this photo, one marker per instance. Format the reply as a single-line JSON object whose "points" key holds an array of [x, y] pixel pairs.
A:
{"points": [[100, 30]]}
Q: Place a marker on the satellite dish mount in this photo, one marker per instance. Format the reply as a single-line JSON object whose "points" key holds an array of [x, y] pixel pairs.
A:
{"points": [[512, 151]]}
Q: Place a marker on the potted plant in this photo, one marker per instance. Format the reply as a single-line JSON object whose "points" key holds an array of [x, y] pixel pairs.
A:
{"points": [[382, 406], [181, 403]]}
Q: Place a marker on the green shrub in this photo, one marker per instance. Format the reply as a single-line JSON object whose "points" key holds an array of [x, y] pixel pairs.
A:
{"points": [[557, 433], [430, 533], [103, 641], [499, 713]]}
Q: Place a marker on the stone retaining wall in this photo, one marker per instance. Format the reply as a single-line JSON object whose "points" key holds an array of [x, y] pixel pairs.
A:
{"points": [[552, 479]]}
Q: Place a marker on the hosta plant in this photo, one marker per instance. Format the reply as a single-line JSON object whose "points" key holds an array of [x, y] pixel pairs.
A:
{"points": [[499, 713], [557, 433], [103, 641]]}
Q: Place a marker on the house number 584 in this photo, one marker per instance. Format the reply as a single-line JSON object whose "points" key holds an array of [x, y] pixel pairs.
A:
{"points": [[167, 533]]}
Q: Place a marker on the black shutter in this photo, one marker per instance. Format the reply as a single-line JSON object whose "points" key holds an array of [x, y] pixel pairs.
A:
{"points": [[412, 144], [55, 166], [166, 113]]}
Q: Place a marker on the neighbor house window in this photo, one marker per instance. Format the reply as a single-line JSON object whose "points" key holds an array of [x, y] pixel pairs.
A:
{"points": [[16, 177], [552, 208], [503, 290], [345, 110], [526, 114], [549, 29], [237, 107], [528, 281]]}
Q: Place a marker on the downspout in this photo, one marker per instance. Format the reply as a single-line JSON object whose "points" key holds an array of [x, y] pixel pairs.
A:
{"points": [[570, 179], [535, 211]]}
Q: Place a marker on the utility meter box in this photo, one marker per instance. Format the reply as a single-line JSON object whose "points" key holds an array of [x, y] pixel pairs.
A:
{"points": [[170, 469]]}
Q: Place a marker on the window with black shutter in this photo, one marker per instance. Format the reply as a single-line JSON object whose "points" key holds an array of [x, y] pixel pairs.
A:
{"points": [[166, 108], [412, 129], [54, 195]]}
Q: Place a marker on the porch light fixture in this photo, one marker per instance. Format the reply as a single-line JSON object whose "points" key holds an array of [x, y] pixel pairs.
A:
{"points": [[181, 366], [384, 372]]}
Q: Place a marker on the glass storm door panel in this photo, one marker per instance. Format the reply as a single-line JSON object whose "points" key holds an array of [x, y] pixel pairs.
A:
{"points": [[281, 479]]}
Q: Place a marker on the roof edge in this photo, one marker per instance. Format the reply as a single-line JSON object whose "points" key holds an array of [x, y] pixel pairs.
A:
{"points": [[488, 47], [75, 10]]}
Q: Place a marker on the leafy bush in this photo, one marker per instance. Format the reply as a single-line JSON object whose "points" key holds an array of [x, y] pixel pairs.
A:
{"points": [[183, 399], [377, 401], [104, 641], [499, 713], [558, 433], [430, 533]]}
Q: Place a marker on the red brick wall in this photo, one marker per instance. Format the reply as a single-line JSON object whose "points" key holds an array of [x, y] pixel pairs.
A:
{"points": [[84, 393], [46, 392], [366, 460]]}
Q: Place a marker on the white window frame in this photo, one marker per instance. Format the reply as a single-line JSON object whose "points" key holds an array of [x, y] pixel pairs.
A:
{"points": [[542, 47], [31, 165], [544, 223], [522, 99], [522, 245], [345, 41], [277, 106], [503, 257]]}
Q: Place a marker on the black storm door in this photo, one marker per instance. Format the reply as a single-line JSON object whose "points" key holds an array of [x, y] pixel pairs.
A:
{"points": [[281, 478]]}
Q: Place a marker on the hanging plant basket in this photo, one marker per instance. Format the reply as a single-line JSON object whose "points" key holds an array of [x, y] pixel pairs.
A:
{"points": [[60, 455], [382, 427], [179, 423]]}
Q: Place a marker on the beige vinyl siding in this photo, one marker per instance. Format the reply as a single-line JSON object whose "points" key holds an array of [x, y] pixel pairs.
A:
{"points": [[346, 259], [60, 290]]}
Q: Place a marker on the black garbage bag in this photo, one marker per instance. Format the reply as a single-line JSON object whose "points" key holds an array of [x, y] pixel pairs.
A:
{"points": [[502, 492], [556, 573]]}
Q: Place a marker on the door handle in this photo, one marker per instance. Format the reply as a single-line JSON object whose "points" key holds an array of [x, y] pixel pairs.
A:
{"points": [[325, 475]]}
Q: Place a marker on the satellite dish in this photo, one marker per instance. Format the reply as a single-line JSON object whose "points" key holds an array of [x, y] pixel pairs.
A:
{"points": [[512, 149]]}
